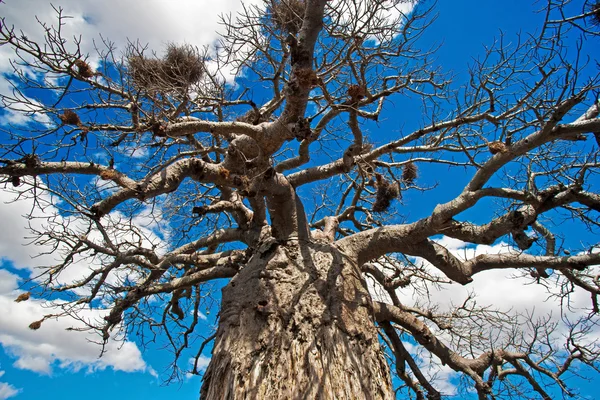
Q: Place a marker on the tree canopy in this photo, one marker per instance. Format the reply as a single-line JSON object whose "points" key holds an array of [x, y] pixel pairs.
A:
{"points": [[157, 174]]}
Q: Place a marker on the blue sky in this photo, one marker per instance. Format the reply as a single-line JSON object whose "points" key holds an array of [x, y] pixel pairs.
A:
{"points": [[56, 371]]}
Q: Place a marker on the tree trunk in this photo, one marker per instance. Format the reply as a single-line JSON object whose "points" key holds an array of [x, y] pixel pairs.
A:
{"points": [[296, 323]]}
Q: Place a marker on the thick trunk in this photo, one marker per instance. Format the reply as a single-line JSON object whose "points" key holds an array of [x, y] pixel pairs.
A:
{"points": [[296, 323]]}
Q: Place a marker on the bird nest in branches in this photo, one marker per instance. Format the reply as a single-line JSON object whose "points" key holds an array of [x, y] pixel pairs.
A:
{"points": [[357, 92], [287, 15], [69, 117], [386, 192], [409, 173], [181, 67], [85, 70], [307, 77], [497, 147], [594, 9]]}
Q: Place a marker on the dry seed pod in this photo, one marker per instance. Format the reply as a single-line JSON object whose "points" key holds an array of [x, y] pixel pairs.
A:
{"points": [[23, 297], [36, 325]]}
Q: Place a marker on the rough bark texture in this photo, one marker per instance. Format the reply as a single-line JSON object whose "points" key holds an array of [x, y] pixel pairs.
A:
{"points": [[296, 323]]}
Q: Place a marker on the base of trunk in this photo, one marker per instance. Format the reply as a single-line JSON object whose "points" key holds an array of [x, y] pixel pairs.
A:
{"points": [[296, 323]]}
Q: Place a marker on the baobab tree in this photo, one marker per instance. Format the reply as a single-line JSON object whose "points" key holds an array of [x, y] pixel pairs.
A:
{"points": [[292, 193]]}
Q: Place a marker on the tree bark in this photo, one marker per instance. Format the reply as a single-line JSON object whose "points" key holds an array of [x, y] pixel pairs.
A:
{"points": [[297, 323]]}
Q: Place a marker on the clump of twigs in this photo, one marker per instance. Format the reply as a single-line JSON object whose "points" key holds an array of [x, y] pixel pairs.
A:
{"points": [[181, 67], [287, 15], [84, 69], [69, 117], [594, 8], [307, 77], [357, 92], [409, 173], [497, 147], [159, 128], [386, 192]]}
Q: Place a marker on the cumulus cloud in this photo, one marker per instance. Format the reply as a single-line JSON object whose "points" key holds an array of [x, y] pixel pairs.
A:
{"points": [[7, 390], [154, 22], [203, 362], [52, 344], [503, 289], [508, 291]]}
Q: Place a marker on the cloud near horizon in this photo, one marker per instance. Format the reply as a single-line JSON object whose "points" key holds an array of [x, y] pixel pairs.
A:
{"points": [[51, 346]]}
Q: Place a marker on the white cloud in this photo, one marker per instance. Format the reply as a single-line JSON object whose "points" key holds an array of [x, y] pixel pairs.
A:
{"points": [[503, 289], [8, 281], [7, 390], [507, 290], [203, 363], [201, 316], [52, 344], [155, 22]]}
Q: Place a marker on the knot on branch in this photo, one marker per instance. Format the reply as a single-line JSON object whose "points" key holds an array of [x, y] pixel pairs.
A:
{"points": [[198, 211], [224, 173], [108, 174], [197, 169], [301, 129], [95, 212], [269, 173], [159, 129], [31, 161], [523, 241], [517, 218], [242, 182]]}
